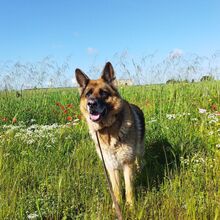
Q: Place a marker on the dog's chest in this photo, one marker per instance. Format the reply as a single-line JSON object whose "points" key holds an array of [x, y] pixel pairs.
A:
{"points": [[114, 152]]}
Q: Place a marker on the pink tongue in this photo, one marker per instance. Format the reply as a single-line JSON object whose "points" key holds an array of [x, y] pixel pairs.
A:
{"points": [[95, 117]]}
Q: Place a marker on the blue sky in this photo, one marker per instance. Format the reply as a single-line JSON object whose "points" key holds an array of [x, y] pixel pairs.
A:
{"points": [[91, 32]]}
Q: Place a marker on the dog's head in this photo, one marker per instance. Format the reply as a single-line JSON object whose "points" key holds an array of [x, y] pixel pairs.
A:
{"points": [[100, 101]]}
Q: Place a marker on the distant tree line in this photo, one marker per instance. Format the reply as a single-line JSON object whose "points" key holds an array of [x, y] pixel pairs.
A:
{"points": [[203, 78]]}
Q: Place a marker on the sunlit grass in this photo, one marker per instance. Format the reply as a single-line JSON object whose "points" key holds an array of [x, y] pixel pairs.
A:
{"points": [[49, 168]]}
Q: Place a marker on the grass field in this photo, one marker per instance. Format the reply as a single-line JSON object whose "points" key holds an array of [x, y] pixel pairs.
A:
{"points": [[49, 168]]}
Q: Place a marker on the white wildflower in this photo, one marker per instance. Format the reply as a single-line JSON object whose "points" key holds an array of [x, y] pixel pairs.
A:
{"points": [[152, 121], [32, 128], [30, 141], [218, 146], [213, 121], [194, 119], [202, 111], [212, 116], [18, 135], [211, 132], [32, 216], [185, 114], [170, 116], [32, 120]]}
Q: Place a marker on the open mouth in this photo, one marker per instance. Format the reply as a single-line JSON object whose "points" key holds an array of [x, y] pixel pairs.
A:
{"points": [[96, 116]]}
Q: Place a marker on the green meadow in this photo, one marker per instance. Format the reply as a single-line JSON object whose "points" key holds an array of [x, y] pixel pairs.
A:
{"points": [[49, 168]]}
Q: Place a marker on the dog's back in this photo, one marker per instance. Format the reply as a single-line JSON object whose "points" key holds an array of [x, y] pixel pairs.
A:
{"points": [[140, 128], [139, 121]]}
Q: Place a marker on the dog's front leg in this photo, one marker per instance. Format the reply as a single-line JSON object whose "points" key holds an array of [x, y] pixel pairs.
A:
{"points": [[129, 189], [115, 181]]}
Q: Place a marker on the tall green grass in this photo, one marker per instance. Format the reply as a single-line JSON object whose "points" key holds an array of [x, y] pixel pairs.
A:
{"points": [[43, 106], [51, 171]]}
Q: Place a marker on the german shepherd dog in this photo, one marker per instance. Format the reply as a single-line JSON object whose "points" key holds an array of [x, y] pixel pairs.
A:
{"points": [[119, 125]]}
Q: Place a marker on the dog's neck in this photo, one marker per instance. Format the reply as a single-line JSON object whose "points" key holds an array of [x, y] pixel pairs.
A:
{"points": [[109, 135], [114, 126]]}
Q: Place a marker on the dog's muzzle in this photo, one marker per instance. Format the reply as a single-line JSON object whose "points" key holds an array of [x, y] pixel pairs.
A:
{"points": [[97, 109]]}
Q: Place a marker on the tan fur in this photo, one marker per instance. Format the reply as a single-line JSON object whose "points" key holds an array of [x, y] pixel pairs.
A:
{"points": [[121, 131]]}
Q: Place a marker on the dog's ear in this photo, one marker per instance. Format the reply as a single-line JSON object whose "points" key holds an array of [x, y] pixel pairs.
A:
{"points": [[108, 73], [81, 78]]}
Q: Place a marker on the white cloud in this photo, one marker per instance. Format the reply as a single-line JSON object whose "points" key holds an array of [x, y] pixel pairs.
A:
{"points": [[92, 51]]}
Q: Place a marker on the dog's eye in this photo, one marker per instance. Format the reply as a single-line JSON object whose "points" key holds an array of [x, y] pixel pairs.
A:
{"points": [[104, 94], [89, 93]]}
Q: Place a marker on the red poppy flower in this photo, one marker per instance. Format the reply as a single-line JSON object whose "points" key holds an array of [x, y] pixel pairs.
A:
{"points": [[62, 107], [69, 105], [79, 117], [4, 119], [65, 111], [69, 118], [214, 107]]}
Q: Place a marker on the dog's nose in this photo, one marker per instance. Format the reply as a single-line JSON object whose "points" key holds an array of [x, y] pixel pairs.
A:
{"points": [[92, 103]]}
